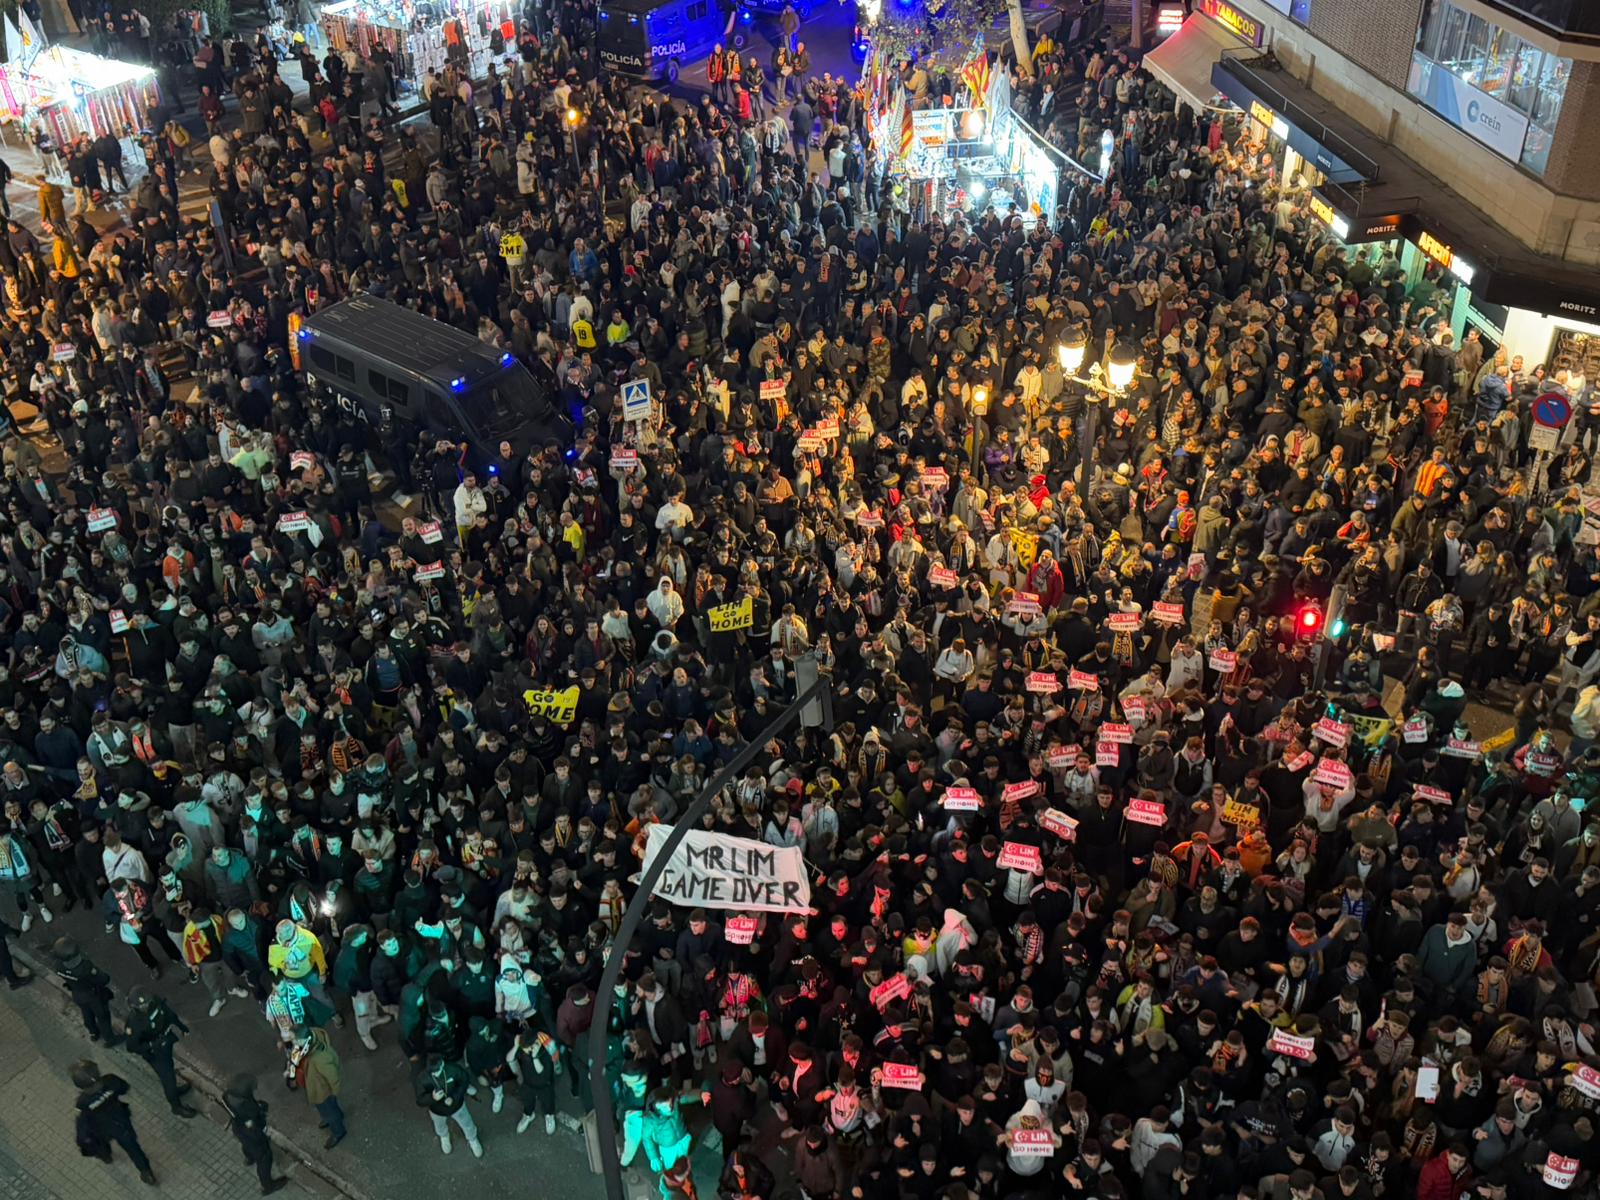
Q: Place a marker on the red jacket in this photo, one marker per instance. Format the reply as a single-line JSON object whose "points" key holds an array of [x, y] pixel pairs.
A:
{"points": [[1437, 1183]]}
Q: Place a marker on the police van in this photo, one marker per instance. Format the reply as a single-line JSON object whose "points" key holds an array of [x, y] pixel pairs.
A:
{"points": [[653, 39], [377, 361]]}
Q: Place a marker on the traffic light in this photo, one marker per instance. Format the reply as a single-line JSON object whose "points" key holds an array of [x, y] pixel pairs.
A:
{"points": [[1308, 623]]}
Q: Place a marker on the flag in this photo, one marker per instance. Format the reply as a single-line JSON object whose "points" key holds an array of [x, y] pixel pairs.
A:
{"points": [[976, 76], [906, 130], [13, 44], [32, 43]]}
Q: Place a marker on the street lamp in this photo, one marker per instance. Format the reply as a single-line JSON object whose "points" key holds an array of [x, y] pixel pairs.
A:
{"points": [[573, 117], [1112, 380]]}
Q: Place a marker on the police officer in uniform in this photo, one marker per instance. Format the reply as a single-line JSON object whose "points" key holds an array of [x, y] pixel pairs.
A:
{"points": [[247, 1118], [90, 988], [103, 1118], [153, 1030]]}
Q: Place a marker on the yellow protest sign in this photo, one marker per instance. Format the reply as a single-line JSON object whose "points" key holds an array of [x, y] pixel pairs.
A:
{"points": [[1372, 730], [1234, 813], [561, 707], [727, 617], [512, 248], [1026, 545]]}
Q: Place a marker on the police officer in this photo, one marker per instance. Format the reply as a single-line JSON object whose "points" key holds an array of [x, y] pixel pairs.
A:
{"points": [[247, 1117], [90, 988], [103, 1118], [153, 1030]]}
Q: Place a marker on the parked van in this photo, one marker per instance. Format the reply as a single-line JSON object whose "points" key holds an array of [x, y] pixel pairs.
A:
{"points": [[376, 359], [653, 39]]}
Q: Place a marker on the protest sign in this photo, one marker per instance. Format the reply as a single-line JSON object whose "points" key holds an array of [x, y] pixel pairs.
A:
{"points": [[1300, 761], [1146, 812], [894, 988], [961, 799], [715, 870], [774, 389], [1334, 773], [293, 522], [1113, 731], [1330, 731], [119, 621], [300, 460], [1223, 661], [624, 458], [1043, 682], [1133, 707], [935, 477], [902, 1075], [1033, 1143], [559, 706], [429, 571], [1167, 613], [1020, 790], [1083, 681], [1124, 622], [102, 519], [1107, 754], [430, 533], [943, 577], [1292, 1045], [740, 931], [1053, 820], [1415, 731], [727, 617], [1234, 813], [1560, 1171], [219, 318], [1461, 748], [1432, 795], [1019, 857]]}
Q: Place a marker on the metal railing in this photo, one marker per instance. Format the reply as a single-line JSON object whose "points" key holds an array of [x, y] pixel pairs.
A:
{"points": [[1253, 77]]}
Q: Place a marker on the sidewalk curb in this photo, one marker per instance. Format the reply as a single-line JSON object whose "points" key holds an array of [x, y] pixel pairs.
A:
{"points": [[209, 1084]]}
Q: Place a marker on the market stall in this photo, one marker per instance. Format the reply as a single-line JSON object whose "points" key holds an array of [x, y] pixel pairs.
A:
{"points": [[70, 92], [423, 37]]}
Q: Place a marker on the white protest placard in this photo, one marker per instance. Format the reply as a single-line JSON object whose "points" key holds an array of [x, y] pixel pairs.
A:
{"points": [[1560, 1171], [1042, 682], [63, 352], [1053, 820], [896, 987], [1427, 1084], [774, 389], [636, 400], [943, 577], [1587, 1081], [935, 477], [102, 519], [1432, 795], [714, 870], [430, 532], [1083, 681], [902, 1075], [1062, 757], [624, 458], [740, 931], [219, 318], [1113, 731], [1300, 761], [119, 621], [1167, 612], [1223, 661], [1133, 707], [1334, 773], [427, 572], [1415, 731], [808, 443], [826, 428], [1147, 812], [293, 522], [1020, 790], [301, 459], [1107, 754], [1032, 1143], [1291, 1045], [1017, 856], [868, 519], [1024, 604], [1330, 731], [1124, 622], [961, 799], [1460, 748]]}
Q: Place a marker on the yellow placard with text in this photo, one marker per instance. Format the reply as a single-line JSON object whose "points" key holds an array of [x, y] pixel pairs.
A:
{"points": [[727, 617], [1244, 815], [560, 706], [1026, 545]]}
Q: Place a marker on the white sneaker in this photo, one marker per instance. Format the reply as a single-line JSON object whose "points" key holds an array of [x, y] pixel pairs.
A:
{"points": [[549, 1123], [522, 1125], [569, 1122], [499, 1101], [477, 1149], [27, 921], [383, 1019], [472, 1089], [46, 914], [55, 889], [444, 1144], [216, 1007], [242, 993], [366, 1040]]}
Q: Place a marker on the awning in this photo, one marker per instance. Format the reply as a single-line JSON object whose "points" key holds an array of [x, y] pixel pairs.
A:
{"points": [[1183, 62]]}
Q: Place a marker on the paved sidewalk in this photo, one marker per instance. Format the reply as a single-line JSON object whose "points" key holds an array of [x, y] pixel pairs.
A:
{"points": [[197, 1159]]}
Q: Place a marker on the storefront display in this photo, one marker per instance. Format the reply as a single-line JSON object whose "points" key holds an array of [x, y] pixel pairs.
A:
{"points": [[70, 92], [423, 38]]}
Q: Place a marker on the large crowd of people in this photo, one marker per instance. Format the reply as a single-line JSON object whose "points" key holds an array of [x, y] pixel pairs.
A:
{"points": [[1152, 853]]}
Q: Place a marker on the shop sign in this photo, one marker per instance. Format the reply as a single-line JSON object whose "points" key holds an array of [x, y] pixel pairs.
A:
{"points": [[1325, 213], [1441, 253], [1244, 27], [1498, 126], [1279, 127], [1379, 229], [1541, 295]]}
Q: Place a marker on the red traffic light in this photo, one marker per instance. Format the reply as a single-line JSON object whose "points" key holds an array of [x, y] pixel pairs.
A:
{"points": [[1310, 620]]}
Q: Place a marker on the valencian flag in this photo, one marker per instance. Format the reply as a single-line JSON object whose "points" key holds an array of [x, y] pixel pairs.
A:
{"points": [[976, 76]]}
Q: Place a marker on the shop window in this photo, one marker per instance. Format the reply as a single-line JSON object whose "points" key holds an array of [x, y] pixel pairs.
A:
{"points": [[699, 9], [1488, 81]]}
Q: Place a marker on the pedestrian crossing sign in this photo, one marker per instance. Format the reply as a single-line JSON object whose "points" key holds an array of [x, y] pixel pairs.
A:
{"points": [[636, 400]]}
